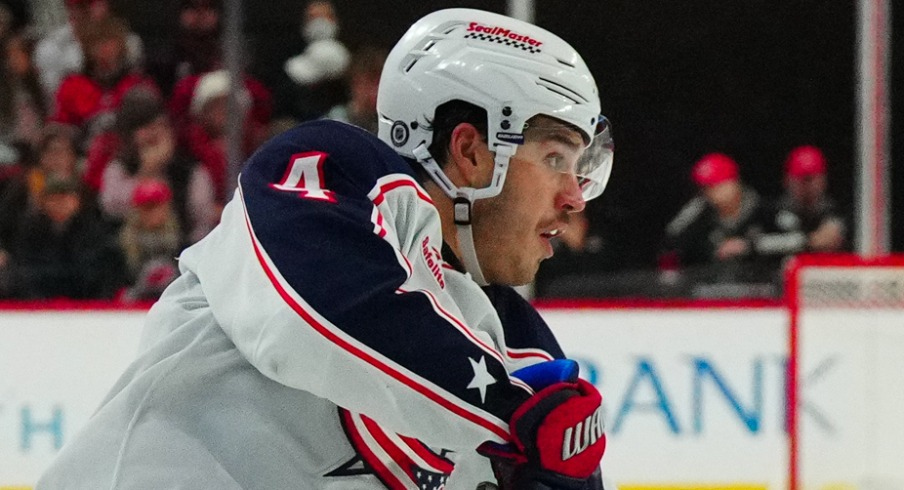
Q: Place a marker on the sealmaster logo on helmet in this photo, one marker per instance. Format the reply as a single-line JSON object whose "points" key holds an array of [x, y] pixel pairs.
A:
{"points": [[501, 35], [501, 31]]}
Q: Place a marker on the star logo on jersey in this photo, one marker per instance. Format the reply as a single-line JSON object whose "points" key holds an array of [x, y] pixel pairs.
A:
{"points": [[482, 377]]}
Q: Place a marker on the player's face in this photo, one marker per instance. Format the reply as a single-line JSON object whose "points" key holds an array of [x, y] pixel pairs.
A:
{"points": [[725, 196], [807, 191], [513, 230]]}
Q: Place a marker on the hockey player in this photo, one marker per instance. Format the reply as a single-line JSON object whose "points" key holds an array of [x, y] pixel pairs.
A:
{"points": [[332, 331]]}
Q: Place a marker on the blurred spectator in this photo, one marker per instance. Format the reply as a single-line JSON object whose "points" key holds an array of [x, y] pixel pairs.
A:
{"points": [[719, 226], [315, 76], [196, 47], [6, 21], [63, 251], [57, 158], [22, 108], [202, 120], [363, 80], [15, 15], [805, 219], [150, 241], [580, 252], [89, 100], [149, 151], [60, 53]]}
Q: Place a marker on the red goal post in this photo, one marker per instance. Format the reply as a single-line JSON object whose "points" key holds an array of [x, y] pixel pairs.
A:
{"points": [[845, 389]]}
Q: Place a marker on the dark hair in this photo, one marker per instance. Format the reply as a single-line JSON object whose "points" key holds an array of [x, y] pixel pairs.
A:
{"points": [[105, 29], [447, 117], [139, 106]]}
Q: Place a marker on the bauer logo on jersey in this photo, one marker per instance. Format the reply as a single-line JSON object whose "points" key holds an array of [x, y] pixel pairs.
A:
{"points": [[434, 261]]}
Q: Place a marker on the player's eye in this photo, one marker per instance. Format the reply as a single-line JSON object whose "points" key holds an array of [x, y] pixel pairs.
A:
{"points": [[556, 162]]}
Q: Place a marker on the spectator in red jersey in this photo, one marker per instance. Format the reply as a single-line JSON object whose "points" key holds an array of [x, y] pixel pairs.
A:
{"points": [[89, 100], [149, 150], [204, 118], [60, 53], [150, 241]]}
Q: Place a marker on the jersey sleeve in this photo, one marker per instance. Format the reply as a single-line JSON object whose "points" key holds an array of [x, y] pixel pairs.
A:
{"points": [[324, 274], [527, 335]]}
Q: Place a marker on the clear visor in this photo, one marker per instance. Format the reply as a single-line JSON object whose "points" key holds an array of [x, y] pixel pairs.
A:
{"points": [[590, 163], [595, 165]]}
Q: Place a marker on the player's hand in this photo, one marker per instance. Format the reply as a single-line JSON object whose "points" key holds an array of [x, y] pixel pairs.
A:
{"points": [[558, 438]]}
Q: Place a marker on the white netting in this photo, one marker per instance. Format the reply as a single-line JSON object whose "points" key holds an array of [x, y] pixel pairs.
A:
{"points": [[850, 375], [852, 287]]}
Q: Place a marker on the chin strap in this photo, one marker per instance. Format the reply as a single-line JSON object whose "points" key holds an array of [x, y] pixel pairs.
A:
{"points": [[462, 205], [463, 201]]}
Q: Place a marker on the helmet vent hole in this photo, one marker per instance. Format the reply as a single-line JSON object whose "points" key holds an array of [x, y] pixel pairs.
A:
{"points": [[410, 65], [569, 65]]}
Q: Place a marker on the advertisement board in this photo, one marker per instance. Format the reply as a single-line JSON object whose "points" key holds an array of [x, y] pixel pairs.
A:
{"points": [[55, 368], [695, 398]]}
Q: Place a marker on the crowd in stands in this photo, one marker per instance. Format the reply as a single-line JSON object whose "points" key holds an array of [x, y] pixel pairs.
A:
{"points": [[114, 157], [114, 154]]}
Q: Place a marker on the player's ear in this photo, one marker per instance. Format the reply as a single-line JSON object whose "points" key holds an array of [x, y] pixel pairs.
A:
{"points": [[469, 154]]}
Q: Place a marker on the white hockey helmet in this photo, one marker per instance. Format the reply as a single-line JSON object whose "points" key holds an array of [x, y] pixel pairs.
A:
{"points": [[512, 69]]}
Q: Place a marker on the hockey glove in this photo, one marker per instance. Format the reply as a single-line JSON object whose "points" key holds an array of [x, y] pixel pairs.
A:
{"points": [[557, 434]]}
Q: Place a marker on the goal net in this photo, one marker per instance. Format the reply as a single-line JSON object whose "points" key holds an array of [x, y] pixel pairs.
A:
{"points": [[846, 373]]}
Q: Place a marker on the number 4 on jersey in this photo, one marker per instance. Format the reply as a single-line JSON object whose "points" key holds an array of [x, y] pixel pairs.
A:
{"points": [[305, 176]]}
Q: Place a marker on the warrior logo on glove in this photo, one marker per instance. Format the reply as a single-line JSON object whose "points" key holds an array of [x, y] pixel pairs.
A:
{"points": [[584, 434]]}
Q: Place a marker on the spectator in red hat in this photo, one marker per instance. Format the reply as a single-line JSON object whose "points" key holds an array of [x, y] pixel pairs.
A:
{"points": [[150, 240], [804, 219], [60, 53], [719, 224]]}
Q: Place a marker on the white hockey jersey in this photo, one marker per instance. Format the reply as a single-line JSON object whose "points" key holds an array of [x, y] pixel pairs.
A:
{"points": [[315, 339]]}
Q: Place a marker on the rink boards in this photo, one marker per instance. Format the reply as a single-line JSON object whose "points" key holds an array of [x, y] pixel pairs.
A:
{"points": [[695, 398]]}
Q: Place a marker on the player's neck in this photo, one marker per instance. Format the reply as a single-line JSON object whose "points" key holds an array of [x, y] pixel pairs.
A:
{"points": [[443, 205]]}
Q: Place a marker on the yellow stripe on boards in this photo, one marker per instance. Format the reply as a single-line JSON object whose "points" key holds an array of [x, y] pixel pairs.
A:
{"points": [[708, 486]]}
